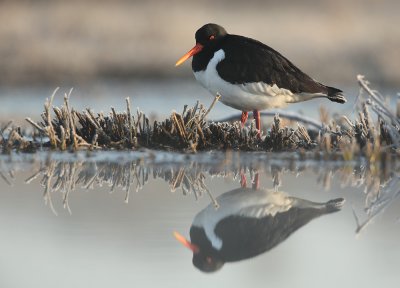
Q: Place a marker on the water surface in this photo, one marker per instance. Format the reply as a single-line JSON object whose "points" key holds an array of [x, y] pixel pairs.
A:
{"points": [[107, 219]]}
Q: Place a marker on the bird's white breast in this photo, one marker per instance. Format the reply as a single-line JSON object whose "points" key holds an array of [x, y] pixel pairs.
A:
{"points": [[248, 96]]}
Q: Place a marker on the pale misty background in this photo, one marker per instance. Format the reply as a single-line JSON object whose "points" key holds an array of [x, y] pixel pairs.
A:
{"points": [[74, 42]]}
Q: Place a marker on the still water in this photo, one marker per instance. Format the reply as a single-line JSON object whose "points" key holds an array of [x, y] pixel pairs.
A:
{"points": [[112, 219]]}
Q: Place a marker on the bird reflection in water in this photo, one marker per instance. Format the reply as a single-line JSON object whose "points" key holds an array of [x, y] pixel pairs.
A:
{"points": [[249, 221]]}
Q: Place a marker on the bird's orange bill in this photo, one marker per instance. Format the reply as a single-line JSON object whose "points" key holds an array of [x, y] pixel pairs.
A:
{"points": [[196, 49], [195, 249]]}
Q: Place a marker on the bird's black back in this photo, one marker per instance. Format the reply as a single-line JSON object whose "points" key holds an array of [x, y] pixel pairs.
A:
{"points": [[248, 61]]}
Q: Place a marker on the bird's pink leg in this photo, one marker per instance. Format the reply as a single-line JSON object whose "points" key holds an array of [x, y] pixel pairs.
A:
{"points": [[256, 115], [244, 117], [243, 181], [256, 182]]}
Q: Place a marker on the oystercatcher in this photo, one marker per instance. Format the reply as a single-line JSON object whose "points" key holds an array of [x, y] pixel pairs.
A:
{"points": [[247, 223], [249, 75]]}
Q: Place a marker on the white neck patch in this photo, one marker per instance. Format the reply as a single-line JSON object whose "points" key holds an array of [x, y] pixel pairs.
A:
{"points": [[207, 78]]}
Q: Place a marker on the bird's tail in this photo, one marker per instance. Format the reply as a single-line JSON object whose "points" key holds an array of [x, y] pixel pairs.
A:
{"points": [[336, 95], [334, 205]]}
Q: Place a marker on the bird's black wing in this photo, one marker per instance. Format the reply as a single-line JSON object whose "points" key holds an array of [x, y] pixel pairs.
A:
{"points": [[248, 61], [247, 237]]}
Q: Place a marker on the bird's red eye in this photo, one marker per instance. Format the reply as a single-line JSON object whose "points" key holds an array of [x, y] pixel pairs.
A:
{"points": [[212, 37]]}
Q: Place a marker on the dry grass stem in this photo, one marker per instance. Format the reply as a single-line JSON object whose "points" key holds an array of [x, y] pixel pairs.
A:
{"points": [[375, 130]]}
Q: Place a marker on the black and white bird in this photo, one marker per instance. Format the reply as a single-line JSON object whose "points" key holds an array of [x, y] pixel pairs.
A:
{"points": [[247, 223], [249, 75]]}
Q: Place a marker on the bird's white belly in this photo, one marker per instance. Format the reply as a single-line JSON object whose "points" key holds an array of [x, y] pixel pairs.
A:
{"points": [[245, 97]]}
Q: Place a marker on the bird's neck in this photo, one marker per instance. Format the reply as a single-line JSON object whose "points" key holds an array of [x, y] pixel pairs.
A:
{"points": [[201, 60]]}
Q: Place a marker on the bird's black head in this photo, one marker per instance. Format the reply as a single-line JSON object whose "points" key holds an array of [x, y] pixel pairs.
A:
{"points": [[207, 263], [208, 259], [210, 33], [207, 39], [205, 257]]}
